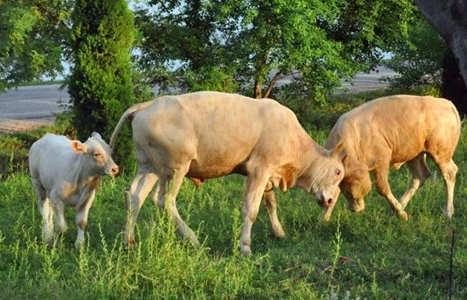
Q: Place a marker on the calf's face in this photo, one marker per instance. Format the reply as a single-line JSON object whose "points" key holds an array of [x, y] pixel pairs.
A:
{"points": [[97, 155]]}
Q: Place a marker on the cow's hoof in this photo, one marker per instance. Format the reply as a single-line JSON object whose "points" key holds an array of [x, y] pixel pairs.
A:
{"points": [[278, 233], [245, 250], [129, 243], [79, 245], [403, 215], [448, 213]]}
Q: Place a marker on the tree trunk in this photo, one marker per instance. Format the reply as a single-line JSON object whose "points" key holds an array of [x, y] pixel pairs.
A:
{"points": [[449, 19], [258, 90], [453, 87]]}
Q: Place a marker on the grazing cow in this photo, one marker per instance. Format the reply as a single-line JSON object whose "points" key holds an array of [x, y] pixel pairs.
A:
{"points": [[66, 172], [205, 135], [391, 131]]}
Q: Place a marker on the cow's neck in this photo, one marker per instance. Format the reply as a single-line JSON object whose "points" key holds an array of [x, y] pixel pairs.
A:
{"points": [[309, 156], [84, 173]]}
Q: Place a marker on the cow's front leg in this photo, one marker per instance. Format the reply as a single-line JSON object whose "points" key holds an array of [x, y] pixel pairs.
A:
{"points": [[255, 185], [82, 213], [382, 184], [269, 199]]}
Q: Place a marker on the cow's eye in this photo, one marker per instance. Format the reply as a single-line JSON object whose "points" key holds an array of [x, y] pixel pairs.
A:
{"points": [[97, 154], [338, 172]]}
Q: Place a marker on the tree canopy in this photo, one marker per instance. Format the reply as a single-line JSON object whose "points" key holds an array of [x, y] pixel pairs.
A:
{"points": [[247, 46], [100, 82], [33, 35], [255, 43]]}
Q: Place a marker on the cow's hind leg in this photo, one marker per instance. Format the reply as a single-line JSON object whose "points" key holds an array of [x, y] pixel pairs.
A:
{"points": [[269, 199], [382, 184], [169, 186], [420, 173], [46, 211], [138, 191], [59, 213], [449, 171], [255, 186]]}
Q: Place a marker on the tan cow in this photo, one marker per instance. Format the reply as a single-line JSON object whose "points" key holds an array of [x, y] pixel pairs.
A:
{"points": [[66, 172], [205, 135], [391, 131]]}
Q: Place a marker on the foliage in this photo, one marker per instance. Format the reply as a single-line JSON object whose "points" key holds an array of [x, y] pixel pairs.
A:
{"points": [[372, 255], [413, 62], [33, 36], [100, 84], [14, 148], [313, 44]]}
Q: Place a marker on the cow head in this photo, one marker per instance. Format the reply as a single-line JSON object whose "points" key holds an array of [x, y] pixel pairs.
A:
{"points": [[356, 183], [323, 176], [97, 155]]}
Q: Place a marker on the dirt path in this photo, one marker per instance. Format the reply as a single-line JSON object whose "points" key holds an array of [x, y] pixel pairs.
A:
{"points": [[30, 107]]}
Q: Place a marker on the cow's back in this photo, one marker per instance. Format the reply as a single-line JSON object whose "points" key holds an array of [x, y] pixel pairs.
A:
{"points": [[49, 158], [402, 125], [216, 129]]}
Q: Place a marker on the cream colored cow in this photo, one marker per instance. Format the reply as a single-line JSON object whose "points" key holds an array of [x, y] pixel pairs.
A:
{"points": [[205, 135], [66, 172], [391, 131]]}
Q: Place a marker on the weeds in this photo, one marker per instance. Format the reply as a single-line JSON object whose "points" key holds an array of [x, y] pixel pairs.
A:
{"points": [[372, 255]]}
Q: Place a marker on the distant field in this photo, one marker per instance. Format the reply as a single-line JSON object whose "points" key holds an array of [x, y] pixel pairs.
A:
{"points": [[34, 105]]}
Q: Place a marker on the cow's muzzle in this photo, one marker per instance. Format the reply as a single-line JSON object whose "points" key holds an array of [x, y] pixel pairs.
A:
{"points": [[356, 205]]}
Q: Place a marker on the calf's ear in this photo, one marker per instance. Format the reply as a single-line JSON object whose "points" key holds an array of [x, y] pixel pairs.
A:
{"points": [[96, 135], [78, 147]]}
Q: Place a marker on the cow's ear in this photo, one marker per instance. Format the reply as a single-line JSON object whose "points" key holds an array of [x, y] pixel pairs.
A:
{"points": [[339, 151], [96, 135], [78, 147]]}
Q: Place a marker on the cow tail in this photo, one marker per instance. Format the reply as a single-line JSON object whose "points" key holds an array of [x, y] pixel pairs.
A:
{"points": [[117, 129], [128, 113]]}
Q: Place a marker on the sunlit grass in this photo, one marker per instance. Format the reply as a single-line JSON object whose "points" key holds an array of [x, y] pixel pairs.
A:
{"points": [[373, 255]]}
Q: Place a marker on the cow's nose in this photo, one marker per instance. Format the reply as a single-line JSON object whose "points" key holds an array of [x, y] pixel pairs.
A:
{"points": [[114, 170]]}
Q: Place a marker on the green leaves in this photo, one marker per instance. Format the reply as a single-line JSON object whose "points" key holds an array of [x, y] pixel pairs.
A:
{"points": [[33, 39], [100, 84], [314, 43]]}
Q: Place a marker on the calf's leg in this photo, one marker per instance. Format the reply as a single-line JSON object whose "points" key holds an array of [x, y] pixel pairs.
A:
{"points": [[59, 212], [420, 173], [82, 213], [46, 211]]}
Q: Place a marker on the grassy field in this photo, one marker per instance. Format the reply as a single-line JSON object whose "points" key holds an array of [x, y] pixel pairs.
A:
{"points": [[373, 255]]}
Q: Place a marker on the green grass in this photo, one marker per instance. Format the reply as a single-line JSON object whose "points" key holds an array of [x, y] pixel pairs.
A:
{"points": [[373, 255]]}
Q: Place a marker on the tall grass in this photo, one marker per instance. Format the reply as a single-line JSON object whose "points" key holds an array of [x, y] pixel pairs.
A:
{"points": [[373, 255]]}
